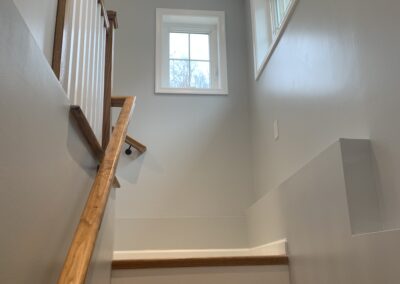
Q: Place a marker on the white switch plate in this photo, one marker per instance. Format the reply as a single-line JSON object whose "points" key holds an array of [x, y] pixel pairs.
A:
{"points": [[276, 130]]}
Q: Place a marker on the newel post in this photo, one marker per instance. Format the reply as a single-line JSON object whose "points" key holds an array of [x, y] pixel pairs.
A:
{"points": [[108, 77]]}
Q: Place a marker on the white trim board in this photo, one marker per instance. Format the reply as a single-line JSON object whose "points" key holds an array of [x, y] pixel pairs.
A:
{"points": [[270, 249], [218, 52]]}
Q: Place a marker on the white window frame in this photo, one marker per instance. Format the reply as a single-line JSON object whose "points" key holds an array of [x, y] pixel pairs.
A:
{"points": [[274, 32], [218, 69]]}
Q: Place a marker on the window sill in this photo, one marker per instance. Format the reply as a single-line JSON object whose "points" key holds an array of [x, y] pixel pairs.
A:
{"points": [[216, 92]]}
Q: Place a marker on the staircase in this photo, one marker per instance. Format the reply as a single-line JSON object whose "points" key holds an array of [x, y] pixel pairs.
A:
{"points": [[66, 119]]}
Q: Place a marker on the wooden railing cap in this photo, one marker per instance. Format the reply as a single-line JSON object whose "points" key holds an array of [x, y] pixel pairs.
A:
{"points": [[112, 17], [80, 252], [104, 14]]}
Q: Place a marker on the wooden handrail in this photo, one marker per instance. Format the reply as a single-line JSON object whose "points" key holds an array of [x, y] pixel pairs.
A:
{"points": [[104, 14], [79, 255], [117, 101], [87, 132], [90, 137], [112, 16], [58, 37], [135, 144], [108, 75]]}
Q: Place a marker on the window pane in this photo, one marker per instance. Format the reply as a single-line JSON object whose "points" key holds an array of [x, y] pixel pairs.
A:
{"points": [[178, 46], [200, 74], [261, 30], [179, 74], [199, 47], [280, 9], [286, 4]]}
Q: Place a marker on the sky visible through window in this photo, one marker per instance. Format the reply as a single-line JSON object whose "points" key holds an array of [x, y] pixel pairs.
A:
{"points": [[189, 60], [280, 9]]}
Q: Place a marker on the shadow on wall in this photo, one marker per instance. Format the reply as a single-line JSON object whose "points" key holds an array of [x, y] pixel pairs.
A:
{"points": [[81, 155], [189, 149], [329, 212], [362, 187], [130, 166]]}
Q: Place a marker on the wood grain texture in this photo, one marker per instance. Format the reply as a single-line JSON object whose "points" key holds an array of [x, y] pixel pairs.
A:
{"points": [[117, 101], [87, 132], [78, 259], [58, 37], [90, 137], [112, 16], [200, 262], [104, 14], [135, 144], [108, 80]]}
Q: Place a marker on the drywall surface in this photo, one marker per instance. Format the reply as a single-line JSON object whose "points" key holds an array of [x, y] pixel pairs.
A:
{"points": [[40, 16], [333, 74], [210, 275], [311, 210], [100, 268], [275, 248], [198, 163], [181, 233], [46, 171], [362, 186]]}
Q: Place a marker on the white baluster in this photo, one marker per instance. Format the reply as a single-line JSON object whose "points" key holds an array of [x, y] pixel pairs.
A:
{"points": [[102, 70], [67, 44], [80, 62], [74, 56], [96, 71], [89, 67]]}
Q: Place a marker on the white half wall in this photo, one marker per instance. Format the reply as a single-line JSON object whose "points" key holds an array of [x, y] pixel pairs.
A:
{"points": [[209, 275], [311, 210], [46, 169], [333, 74], [40, 16], [100, 268], [271, 249]]}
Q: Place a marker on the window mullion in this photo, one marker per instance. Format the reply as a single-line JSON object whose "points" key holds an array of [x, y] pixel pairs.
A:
{"points": [[182, 72], [190, 63]]}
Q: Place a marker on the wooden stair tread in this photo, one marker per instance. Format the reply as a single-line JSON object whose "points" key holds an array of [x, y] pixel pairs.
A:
{"points": [[200, 262]]}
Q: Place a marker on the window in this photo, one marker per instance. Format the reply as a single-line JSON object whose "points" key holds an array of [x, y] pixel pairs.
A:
{"points": [[278, 13], [269, 18], [189, 60], [191, 53]]}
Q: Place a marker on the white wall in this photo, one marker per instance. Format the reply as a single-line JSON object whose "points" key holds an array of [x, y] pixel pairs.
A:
{"points": [[181, 233], [100, 268], [40, 16], [210, 275], [312, 209], [197, 169], [334, 74], [46, 169]]}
